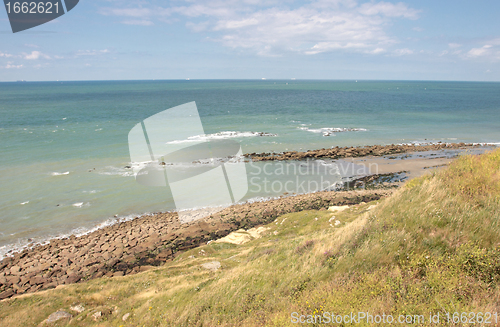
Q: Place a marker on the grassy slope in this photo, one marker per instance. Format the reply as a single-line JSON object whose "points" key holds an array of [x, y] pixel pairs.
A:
{"points": [[434, 246]]}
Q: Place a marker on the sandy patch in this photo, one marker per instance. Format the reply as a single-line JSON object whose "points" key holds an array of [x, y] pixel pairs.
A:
{"points": [[242, 236]]}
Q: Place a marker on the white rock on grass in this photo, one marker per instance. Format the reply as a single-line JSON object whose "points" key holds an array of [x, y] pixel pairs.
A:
{"points": [[125, 316], [213, 265], [97, 315], [242, 236], [77, 308], [338, 208], [57, 316]]}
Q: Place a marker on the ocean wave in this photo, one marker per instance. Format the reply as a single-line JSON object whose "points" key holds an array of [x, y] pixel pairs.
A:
{"points": [[60, 174], [329, 131], [116, 171], [92, 191], [220, 136]]}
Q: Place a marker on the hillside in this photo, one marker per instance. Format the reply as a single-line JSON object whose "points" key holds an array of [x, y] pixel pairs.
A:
{"points": [[431, 247]]}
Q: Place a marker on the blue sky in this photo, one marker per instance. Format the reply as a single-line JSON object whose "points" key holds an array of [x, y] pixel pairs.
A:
{"points": [[253, 39]]}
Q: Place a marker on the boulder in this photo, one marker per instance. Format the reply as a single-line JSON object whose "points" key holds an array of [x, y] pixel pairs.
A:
{"points": [[59, 315], [6, 294], [77, 308]]}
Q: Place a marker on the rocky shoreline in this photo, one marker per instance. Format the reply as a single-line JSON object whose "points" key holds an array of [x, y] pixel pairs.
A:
{"points": [[148, 241], [353, 152]]}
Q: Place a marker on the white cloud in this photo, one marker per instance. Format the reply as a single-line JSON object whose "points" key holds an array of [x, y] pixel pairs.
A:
{"points": [[203, 26], [6, 55], [34, 55], [479, 52], [418, 29], [272, 28], [454, 45], [377, 51], [91, 52], [10, 65], [388, 9], [402, 52]]}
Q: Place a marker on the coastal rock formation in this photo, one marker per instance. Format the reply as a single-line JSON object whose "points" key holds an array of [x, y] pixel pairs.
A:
{"points": [[352, 152], [138, 245]]}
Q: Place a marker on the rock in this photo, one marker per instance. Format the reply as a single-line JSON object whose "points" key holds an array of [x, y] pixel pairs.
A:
{"points": [[73, 279], [146, 268], [14, 270], [37, 280], [50, 285], [57, 316], [338, 208], [14, 279], [122, 266], [6, 294], [213, 265], [77, 308], [97, 315], [125, 316], [163, 255], [90, 262], [243, 236]]}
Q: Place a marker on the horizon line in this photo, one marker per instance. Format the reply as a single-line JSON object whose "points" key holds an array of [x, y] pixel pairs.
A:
{"points": [[248, 79]]}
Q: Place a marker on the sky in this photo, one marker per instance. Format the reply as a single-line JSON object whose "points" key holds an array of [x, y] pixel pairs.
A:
{"points": [[254, 39]]}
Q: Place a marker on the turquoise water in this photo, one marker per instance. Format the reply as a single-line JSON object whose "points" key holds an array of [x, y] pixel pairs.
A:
{"points": [[48, 129]]}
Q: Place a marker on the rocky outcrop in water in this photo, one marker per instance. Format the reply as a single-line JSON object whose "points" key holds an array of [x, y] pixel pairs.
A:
{"points": [[352, 152]]}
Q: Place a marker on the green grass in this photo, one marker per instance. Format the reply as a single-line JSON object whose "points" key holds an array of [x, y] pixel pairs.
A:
{"points": [[433, 246]]}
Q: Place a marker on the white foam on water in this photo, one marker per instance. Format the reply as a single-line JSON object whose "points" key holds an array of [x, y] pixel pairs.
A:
{"points": [[220, 136], [117, 171], [81, 204], [488, 143], [92, 191], [329, 131], [60, 174], [25, 203], [21, 244]]}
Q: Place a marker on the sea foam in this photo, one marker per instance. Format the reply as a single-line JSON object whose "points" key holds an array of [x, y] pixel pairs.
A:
{"points": [[329, 131], [220, 136]]}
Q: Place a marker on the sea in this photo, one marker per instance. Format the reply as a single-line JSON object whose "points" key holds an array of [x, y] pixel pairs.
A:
{"points": [[64, 147]]}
